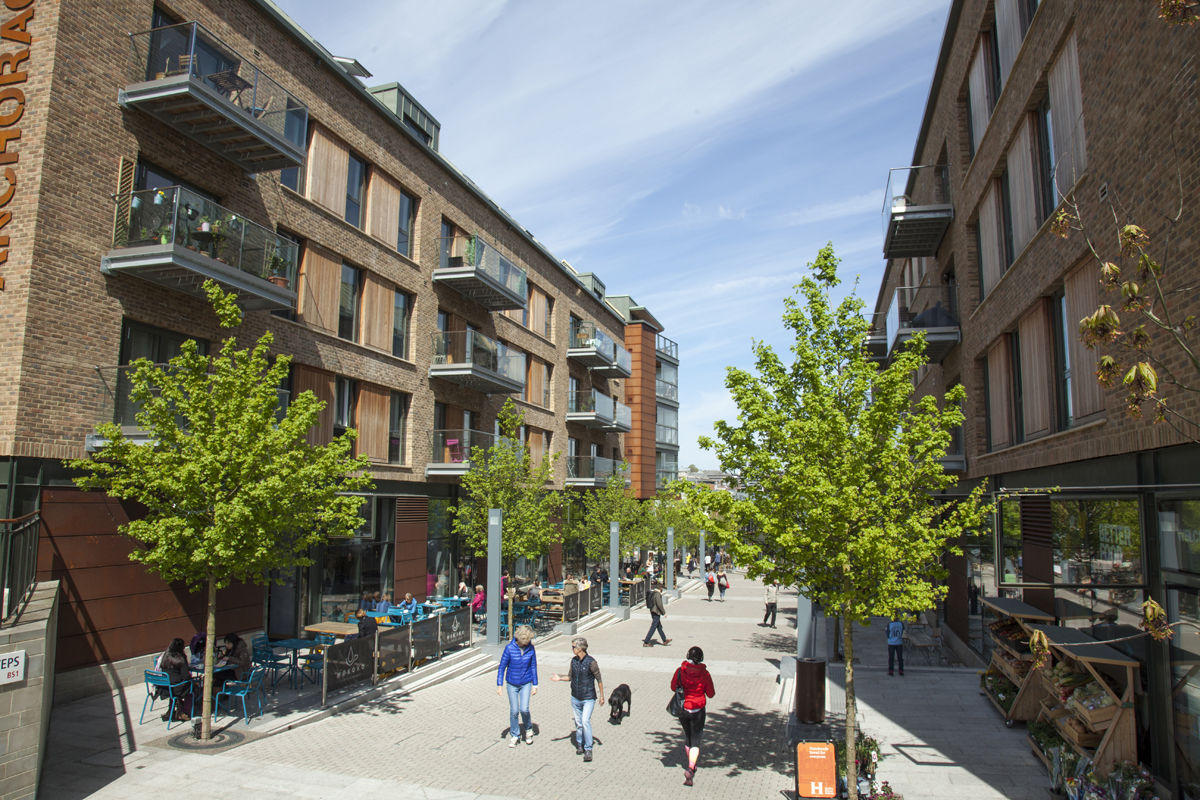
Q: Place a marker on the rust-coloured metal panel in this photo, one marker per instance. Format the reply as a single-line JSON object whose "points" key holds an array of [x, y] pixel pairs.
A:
{"points": [[956, 603]]}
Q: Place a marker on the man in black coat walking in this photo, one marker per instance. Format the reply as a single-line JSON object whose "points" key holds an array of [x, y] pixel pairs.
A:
{"points": [[654, 603]]}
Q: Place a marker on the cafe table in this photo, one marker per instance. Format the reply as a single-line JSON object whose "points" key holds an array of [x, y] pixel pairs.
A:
{"points": [[294, 646], [338, 629]]}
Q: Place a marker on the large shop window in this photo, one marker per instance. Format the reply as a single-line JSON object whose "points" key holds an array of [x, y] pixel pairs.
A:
{"points": [[1183, 605], [355, 569], [1179, 534]]}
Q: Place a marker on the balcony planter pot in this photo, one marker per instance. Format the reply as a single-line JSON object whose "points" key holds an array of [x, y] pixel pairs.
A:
{"points": [[279, 280], [456, 262]]}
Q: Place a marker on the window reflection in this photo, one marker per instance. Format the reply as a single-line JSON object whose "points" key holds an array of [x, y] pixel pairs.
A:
{"points": [[1096, 541], [1184, 605], [1179, 534]]}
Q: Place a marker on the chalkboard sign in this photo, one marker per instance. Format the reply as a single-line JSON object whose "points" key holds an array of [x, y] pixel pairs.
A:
{"points": [[456, 628], [349, 662], [394, 646], [425, 638], [571, 607], [816, 769]]}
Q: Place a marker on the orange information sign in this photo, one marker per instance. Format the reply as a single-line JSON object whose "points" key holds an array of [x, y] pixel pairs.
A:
{"points": [[816, 769]]}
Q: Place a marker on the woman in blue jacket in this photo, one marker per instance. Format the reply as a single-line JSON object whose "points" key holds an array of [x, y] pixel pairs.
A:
{"points": [[518, 674]]}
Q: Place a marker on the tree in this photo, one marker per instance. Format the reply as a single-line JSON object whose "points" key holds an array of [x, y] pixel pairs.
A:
{"points": [[836, 467], [506, 479], [231, 491], [681, 505], [599, 508]]}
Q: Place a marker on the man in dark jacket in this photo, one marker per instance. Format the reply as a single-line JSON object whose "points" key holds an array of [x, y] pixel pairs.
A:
{"points": [[654, 603]]}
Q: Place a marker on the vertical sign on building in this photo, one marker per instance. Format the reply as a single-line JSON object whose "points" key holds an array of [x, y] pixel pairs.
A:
{"points": [[816, 769], [13, 73]]}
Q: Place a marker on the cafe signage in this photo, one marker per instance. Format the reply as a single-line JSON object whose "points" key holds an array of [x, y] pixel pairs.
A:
{"points": [[395, 649], [816, 769], [571, 607], [349, 662], [456, 628], [14, 72], [425, 638]]}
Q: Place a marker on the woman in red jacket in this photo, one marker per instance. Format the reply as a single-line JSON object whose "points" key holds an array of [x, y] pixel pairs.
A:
{"points": [[697, 687]]}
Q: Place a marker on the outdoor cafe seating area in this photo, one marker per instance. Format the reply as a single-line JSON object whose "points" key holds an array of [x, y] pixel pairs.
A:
{"points": [[559, 603]]}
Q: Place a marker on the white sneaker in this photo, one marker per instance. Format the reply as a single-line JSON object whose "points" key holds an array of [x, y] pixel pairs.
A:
{"points": [[529, 736], [512, 741]]}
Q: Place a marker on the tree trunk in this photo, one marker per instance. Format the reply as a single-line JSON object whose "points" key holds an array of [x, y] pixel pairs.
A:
{"points": [[211, 637], [837, 637], [851, 711]]}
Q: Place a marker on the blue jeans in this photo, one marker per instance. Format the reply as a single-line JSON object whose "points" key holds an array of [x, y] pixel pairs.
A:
{"points": [[655, 625], [583, 721], [518, 703]]}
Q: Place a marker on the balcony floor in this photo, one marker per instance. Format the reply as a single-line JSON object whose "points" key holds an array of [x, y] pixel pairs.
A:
{"points": [[183, 270], [917, 231], [480, 287], [473, 377], [589, 419], [195, 109], [455, 469], [938, 341], [619, 427], [591, 356], [614, 370]]}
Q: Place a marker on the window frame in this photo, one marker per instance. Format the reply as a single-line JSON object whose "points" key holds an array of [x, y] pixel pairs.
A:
{"points": [[406, 335], [356, 317], [1064, 404], [345, 393], [1044, 125], [405, 234], [398, 435], [1017, 396], [360, 200]]}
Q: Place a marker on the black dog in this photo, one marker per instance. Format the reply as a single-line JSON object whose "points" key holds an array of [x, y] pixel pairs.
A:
{"points": [[619, 703]]}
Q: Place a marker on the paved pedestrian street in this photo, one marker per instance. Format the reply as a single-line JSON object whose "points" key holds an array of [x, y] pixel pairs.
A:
{"points": [[448, 741]]}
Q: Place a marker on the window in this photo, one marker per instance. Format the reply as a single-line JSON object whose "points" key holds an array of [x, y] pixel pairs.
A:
{"points": [[574, 330], [292, 177], [1012, 22], [1006, 243], [443, 321], [420, 132], [439, 416], [447, 242], [594, 451], [401, 314], [1066, 100], [999, 373], [983, 81], [408, 220], [572, 391], [667, 430], [1047, 199], [287, 237], [1062, 363], [548, 328], [356, 180], [1014, 357], [343, 405], [991, 239], [398, 429], [348, 304], [548, 374], [995, 78]]}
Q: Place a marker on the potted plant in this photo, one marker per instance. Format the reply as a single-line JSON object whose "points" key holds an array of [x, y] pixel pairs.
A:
{"points": [[280, 268]]}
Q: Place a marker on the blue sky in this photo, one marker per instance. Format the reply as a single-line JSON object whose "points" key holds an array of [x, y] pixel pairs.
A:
{"points": [[694, 155]]}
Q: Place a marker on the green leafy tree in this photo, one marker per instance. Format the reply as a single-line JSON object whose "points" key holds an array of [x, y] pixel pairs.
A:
{"points": [[836, 466], [597, 509], [681, 505], [231, 491], [506, 479]]}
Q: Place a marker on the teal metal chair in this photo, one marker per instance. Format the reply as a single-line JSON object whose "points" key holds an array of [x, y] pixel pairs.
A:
{"points": [[155, 680], [314, 660], [251, 687]]}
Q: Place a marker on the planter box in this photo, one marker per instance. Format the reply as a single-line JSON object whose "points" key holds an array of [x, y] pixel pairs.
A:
{"points": [[1097, 717]]}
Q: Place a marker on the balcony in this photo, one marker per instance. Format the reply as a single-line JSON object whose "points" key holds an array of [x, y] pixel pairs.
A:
{"points": [[621, 366], [664, 477], [877, 338], [916, 211], [590, 407], [592, 346], [471, 359], [452, 452], [201, 87], [115, 406], [666, 391], [665, 347], [475, 269], [179, 239], [593, 471], [955, 459], [932, 309], [622, 418], [665, 434]]}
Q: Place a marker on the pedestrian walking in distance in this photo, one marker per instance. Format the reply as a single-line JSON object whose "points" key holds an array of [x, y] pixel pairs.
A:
{"points": [[710, 581], [587, 687], [895, 637], [654, 602], [697, 685], [771, 598], [518, 676], [722, 582]]}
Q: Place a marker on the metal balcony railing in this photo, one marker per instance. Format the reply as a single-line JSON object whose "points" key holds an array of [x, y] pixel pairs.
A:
{"points": [[933, 309], [666, 347], [458, 447], [666, 434], [474, 360], [590, 401], [588, 335], [594, 469], [477, 270], [917, 210], [622, 416], [18, 569], [199, 85], [666, 391]]}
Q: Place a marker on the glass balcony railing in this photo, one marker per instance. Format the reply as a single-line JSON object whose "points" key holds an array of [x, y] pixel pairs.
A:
{"points": [[475, 360], [451, 447], [595, 469], [587, 335], [666, 434], [189, 49], [620, 365], [178, 216], [917, 210], [664, 477], [624, 360], [667, 347], [933, 309], [667, 391], [477, 270], [622, 415]]}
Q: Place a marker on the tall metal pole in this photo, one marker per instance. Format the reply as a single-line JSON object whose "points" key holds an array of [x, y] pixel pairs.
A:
{"points": [[702, 549], [670, 559], [495, 521], [614, 564]]}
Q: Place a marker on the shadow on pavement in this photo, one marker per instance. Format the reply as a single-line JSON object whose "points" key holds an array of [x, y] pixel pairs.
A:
{"points": [[736, 739]]}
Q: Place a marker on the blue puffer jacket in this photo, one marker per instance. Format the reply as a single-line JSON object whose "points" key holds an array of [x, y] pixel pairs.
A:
{"points": [[521, 666]]}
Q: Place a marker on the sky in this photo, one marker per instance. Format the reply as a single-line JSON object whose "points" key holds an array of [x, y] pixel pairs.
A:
{"points": [[695, 155]]}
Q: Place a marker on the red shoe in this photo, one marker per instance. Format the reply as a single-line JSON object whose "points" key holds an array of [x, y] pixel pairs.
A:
{"points": [[688, 774]]}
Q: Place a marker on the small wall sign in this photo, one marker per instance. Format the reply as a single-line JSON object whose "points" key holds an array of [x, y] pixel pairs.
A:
{"points": [[12, 667]]}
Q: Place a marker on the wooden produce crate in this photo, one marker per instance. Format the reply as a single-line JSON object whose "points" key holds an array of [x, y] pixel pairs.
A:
{"points": [[1099, 718], [1073, 730]]}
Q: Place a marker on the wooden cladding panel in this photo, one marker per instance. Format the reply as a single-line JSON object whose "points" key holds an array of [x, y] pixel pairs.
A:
{"points": [[383, 208], [320, 287], [999, 366], [991, 226], [1021, 186], [977, 82], [535, 440], [1036, 371], [320, 383], [1037, 549], [535, 380], [1066, 110], [1082, 292], [328, 167], [412, 535], [372, 418], [379, 303], [538, 307]]}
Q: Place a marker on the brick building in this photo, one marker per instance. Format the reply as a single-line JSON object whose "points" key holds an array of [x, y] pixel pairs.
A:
{"points": [[1030, 102], [219, 140]]}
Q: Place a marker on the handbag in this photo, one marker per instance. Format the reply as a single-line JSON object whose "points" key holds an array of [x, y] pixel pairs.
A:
{"points": [[675, 707]]}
